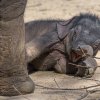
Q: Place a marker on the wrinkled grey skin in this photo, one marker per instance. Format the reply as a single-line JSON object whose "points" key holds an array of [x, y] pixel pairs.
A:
{"points": [[13, 68], [54, 44]]}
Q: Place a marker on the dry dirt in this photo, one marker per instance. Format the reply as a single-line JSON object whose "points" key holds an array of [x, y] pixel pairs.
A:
{"points": [[60, 9]]}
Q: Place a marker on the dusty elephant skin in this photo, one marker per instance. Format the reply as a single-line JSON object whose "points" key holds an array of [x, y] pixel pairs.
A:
{"points": [[54, 44], [13, 70]]}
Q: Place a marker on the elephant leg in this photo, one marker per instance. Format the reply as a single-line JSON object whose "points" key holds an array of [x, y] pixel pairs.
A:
{"points": [[63, 67], [90, 68], [13, 70], [60, 65]]}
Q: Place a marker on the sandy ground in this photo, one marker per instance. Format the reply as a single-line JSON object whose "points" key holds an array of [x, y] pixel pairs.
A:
{"points": [[60, 9]]}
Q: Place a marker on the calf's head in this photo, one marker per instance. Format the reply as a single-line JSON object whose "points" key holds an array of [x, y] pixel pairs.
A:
{"points": [[84, 37]]}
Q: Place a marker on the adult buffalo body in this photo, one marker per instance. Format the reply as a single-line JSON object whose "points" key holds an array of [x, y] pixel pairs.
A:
{"points": [[57, 44]]}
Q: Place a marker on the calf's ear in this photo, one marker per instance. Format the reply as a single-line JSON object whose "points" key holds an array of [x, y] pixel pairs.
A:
{"points": [[64, 27], [96, 46]]}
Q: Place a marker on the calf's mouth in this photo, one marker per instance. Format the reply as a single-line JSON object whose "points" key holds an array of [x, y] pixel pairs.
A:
{"points": [[75, 55], [81, 52]]}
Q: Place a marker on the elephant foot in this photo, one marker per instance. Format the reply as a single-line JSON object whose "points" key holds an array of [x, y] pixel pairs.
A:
{"points": [[89, 70], [25, 87], [85, 72], [60, 66], [14, 87]]}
